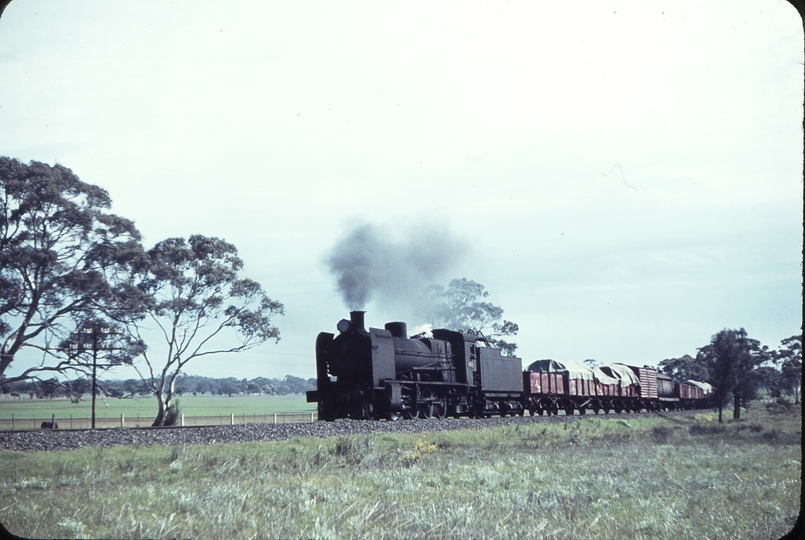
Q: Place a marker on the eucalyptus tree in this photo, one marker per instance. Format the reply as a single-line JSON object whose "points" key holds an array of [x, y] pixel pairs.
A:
{"points": [[462, 306], [685, 368], [57, 243], [189, 296], [790, 356], [732, 359]]}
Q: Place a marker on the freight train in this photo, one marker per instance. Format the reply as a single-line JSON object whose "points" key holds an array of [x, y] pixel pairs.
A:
{"points": [[384, 374]]}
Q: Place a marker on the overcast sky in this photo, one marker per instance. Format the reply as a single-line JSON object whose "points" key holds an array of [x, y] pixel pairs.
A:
{"points": [[624, 177]]}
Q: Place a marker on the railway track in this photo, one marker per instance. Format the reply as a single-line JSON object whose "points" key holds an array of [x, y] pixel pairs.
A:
{"points": [[47, 440]]}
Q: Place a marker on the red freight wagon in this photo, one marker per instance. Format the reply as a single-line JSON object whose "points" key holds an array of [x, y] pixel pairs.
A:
{"points": [[543, 383], [629, 383], [688, 391], [581, 387], [577, 378], [604, 384]]}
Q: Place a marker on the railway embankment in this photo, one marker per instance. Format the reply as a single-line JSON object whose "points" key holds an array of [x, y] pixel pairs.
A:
{"points": [[44, 440]]}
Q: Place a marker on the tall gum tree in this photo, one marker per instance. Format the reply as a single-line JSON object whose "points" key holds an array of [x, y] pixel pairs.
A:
{"points": [[462, 306], [191, 293], [790, 356], [732, 359], [57, 241]]}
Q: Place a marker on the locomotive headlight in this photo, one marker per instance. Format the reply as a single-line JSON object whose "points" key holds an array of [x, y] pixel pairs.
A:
{"points": [[343, 325]]}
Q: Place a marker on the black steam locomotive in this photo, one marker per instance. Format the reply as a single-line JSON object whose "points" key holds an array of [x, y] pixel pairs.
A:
{"points": [[374, 373], [378, 373]]}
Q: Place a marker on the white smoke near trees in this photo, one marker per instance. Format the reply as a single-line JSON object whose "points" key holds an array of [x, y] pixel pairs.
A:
{"points": [[373, 263]]}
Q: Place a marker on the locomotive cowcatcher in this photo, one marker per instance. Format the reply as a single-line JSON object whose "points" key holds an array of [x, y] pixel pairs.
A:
{"points": [[381, 373]]}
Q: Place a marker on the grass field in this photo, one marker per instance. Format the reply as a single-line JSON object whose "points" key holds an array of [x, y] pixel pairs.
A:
{"points": [[144, 409], [652, 477]]}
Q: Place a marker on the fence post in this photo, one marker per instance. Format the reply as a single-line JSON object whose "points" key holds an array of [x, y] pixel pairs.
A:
{"points": [[275, 418], [311, 418], [181, 422], [122, 420], [231, 419]]}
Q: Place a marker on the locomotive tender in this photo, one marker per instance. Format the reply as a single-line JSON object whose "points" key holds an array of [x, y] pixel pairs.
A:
{"points": [[382, 373]]}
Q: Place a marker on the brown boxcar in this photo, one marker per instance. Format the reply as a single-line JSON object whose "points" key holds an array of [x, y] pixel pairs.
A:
{"points": [[648, 381]]}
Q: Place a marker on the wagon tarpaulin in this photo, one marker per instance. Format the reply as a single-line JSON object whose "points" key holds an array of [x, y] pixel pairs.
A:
{"points": [[627, 376], [575, 370]]}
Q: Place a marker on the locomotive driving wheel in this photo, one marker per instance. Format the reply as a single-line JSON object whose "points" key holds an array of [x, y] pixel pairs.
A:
{"points": [[439, 408], [425, 404]]}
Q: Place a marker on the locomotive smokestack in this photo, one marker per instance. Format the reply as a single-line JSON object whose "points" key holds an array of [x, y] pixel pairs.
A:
{"points": [[398, 329], [357, 318]]}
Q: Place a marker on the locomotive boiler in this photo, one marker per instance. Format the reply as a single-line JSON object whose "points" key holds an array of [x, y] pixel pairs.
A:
{"points": [[382, 373]]}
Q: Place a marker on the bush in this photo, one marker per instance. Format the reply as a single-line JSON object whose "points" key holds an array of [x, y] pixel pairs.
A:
{"points": [[778, 408], [697, 429], [661, 433], [784, 402]]}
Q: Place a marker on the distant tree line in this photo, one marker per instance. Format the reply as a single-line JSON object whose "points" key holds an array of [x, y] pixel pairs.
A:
{"points": [[79, 389]]}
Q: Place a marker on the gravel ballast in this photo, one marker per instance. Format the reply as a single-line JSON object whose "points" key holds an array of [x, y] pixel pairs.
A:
{"points": [[36, 441]]}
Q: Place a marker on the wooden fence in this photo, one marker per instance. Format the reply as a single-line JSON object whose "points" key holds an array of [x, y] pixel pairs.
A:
{"points": [[85, 422]]}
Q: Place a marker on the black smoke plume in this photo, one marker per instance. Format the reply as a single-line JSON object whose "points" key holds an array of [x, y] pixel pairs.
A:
{"points": [[372, 263]]}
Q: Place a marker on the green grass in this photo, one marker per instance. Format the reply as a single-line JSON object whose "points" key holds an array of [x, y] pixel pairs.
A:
{"points": [[146, 408], [680, 477]]}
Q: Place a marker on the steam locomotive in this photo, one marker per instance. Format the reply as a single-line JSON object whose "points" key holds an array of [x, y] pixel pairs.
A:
{"points": [[382, 373]]}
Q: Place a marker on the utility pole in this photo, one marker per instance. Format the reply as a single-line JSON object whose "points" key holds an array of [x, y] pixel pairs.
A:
{"points": [[94, 333]]}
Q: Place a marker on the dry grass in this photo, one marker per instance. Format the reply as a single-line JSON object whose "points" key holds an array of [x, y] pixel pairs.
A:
{"points": [[592, 478]]}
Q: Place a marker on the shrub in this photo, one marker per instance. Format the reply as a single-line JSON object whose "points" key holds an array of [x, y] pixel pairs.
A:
{"points": [[777, 408], [697, 429], [661, 433]]}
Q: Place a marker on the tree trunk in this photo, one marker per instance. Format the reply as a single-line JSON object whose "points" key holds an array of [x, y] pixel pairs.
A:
{"points": [[162, 410], [737, 411]]}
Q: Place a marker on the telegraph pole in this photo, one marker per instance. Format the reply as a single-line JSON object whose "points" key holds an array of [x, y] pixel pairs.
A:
{"points": [[94, 332]]}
